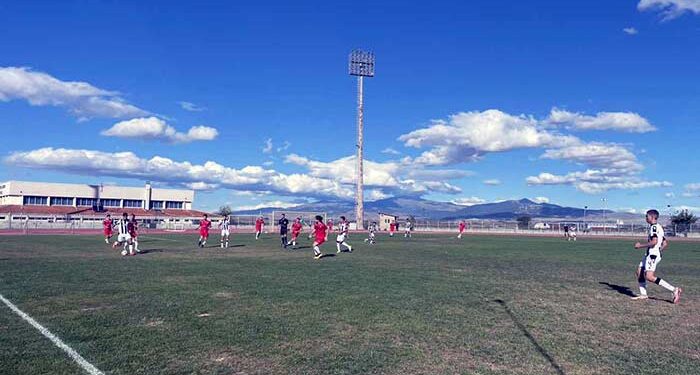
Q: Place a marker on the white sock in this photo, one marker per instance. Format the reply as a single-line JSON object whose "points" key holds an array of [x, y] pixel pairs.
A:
{"points": [[338, 246], [643, 288], [131, 248], [348, 246], [317, 250], [666, 285]]}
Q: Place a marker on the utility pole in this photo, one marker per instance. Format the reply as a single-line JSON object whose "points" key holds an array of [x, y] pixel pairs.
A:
{"points": [[361, 65]]}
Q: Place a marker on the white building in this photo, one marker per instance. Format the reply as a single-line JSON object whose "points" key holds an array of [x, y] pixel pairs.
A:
{"points": [[108, 197]]}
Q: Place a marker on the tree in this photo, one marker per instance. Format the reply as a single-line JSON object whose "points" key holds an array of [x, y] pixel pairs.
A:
{"points": [[524, 222], [224, 210], [683, 220]]}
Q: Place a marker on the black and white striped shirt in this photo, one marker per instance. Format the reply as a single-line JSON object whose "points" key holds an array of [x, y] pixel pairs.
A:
{"points": [[225, 222], [123, 226]]}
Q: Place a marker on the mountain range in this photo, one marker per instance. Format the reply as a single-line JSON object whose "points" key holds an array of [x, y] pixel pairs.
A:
{"points": [[424, 208]]}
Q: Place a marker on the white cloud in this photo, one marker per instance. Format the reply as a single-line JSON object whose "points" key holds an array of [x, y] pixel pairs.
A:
{"points": [[268, 163], [393, 177], [670, 195], [270, 204], [693, 187], [601, 155], [468, 201], [621, 121], [80, 98], [284, 146], [594, 181], [153, 128], [492, 182], [390, 151], [268, 146], [540, 200], [670, 9], [467, 136], [157, 168], [191, 107], [630, 31]]}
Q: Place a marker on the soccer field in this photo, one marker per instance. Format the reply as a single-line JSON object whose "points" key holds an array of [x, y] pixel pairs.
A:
{"points": [[427, 305]]}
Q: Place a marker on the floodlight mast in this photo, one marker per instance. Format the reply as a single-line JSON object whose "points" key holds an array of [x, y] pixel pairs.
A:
{"points": [[361, 65]]}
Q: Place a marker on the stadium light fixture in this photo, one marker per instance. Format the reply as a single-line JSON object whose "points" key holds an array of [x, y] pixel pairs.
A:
{"points": [[361, 64]]}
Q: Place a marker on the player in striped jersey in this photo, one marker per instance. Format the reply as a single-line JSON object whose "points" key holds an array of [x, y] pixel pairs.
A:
{"points": [[343, 228], [123, 236], [224, 225], [371, 233]]}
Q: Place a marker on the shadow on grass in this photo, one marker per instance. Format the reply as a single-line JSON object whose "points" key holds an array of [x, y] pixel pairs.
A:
{"points": [[618, 288], [148, 251], [529, 336], [327, 256]]}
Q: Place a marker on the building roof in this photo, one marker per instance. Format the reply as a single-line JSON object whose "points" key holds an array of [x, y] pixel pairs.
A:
{"points": [[87, 211]]}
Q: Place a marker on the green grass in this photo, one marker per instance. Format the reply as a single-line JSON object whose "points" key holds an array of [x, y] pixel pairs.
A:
{"points": [[429, 305]]}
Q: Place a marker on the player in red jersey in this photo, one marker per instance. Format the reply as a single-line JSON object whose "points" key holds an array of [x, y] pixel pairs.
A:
{"points": [[259, 226], [462, 227], [320, 236], [134, 232], [392, 228], [107, 226], [296, 230], [204, 225]]}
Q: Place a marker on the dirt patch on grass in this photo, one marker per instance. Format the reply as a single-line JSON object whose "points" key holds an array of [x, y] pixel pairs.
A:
{"points": [[152, 323], [227, 295], [236, 362]]}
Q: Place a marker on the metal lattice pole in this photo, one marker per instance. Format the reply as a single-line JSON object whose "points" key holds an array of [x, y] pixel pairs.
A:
{"points": [[359, 198]]}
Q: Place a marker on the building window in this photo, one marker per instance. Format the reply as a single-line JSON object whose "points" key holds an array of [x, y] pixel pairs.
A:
{"points": [[110, 202], [156, 205], [173, 205], [133, 203], [31, 200], [61, 201], [87, 202]]}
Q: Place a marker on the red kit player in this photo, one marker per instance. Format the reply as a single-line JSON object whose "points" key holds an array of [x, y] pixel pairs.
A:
{"points": [[204, 225]]}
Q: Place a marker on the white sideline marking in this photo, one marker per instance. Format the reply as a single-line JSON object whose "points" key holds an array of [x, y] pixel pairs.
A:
{"points": [[160, 239], [87, 366]]}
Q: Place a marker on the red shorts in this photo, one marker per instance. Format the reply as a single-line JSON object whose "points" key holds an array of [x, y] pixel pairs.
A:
{"points": [[258, 229], [108, 232], [204, 233], [133, 235], [295, 234], [320, 240]]}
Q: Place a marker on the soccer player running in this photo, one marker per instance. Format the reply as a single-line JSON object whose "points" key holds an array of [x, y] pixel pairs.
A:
{"points": [[259, 225], [123, 237], [134, 232], [284, 224], [408, 227], [343, 228], [462, 227], [320, 236], [392, 228], [224, 226], [656, 243], [371, 233], [204, 225], [107, 225], [296, 230]]}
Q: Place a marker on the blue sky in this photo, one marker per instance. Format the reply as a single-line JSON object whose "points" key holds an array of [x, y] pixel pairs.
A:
{"points": [[477, 101]]}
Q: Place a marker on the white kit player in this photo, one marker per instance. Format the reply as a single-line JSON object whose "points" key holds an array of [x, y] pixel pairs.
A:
{"points": [[343, 230], [371, 233], [408, 228], [655, 245], [123, 236], [225, 232], [572, 233]]}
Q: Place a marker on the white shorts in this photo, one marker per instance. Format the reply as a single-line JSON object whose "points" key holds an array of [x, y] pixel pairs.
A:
{"points": [[340, 238], [650, 262], [123, 237], [224, 232]]}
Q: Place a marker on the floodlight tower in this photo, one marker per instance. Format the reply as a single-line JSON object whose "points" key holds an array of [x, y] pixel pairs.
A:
{"points": [[361, 65]]}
